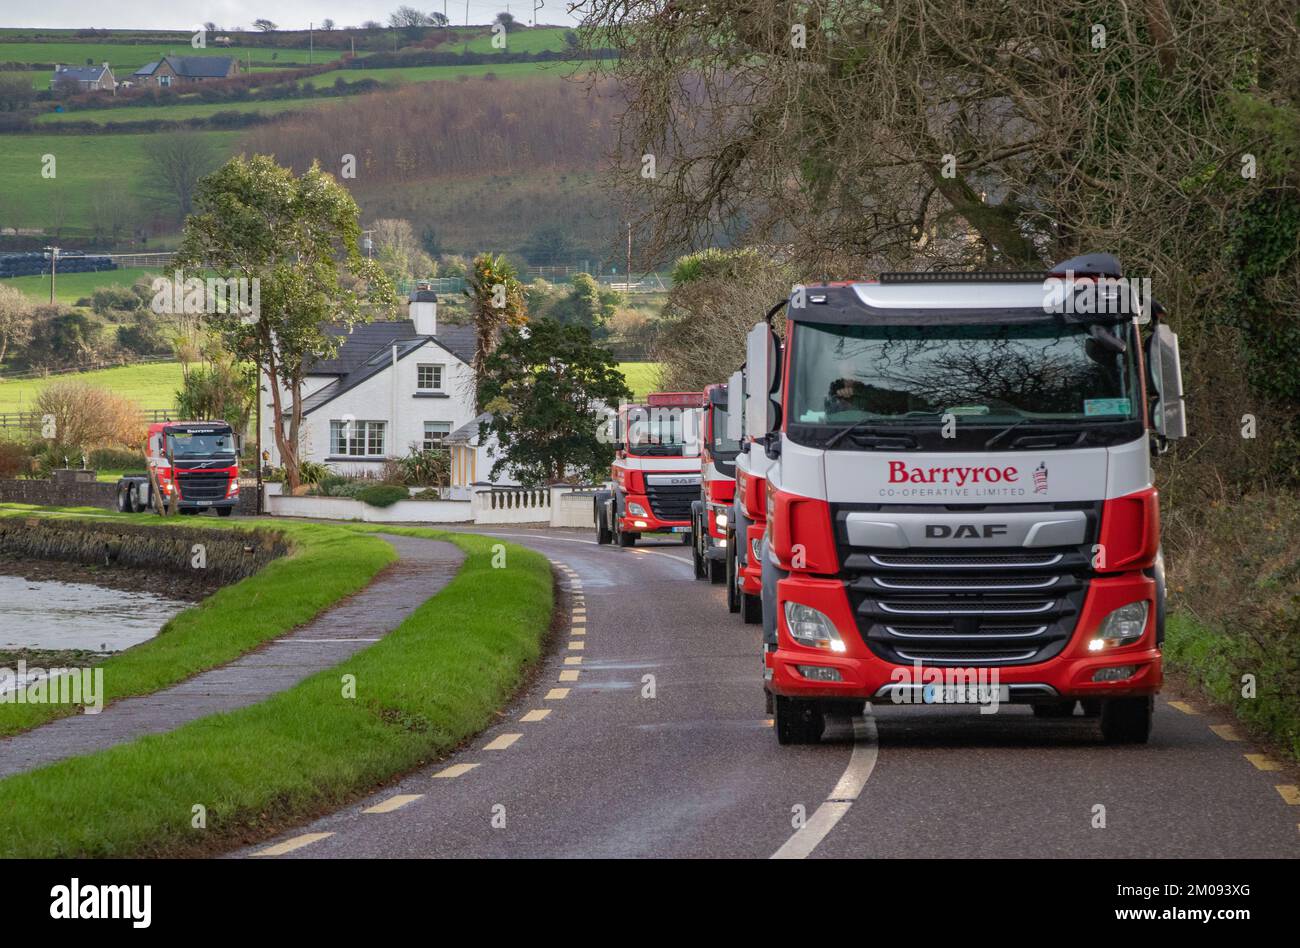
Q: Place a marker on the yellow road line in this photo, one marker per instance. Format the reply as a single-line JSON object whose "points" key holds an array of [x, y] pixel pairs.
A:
{"points": [[573, 660], [577, 646], [393, 803], [289, 845], [1262, 762], [570, 675], [578, 630], [455, 770], [537, 715], [556, 694], [1290, 793], [1184, 707], [502, 741], [1225, 731]]}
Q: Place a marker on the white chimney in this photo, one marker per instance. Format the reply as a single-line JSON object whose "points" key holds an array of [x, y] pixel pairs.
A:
{"points": [[424, 310]]}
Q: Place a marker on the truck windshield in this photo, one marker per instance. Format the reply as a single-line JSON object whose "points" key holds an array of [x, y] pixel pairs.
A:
{"points": [[187, 446], [722, 445], [663, 432], [990, 376]]}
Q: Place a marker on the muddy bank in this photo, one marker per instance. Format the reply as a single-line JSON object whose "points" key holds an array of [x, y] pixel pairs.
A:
{"points": [[189, 587], [193, 561]]}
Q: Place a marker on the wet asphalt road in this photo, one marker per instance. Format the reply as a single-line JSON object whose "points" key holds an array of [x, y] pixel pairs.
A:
{"points": [[695, 770]]}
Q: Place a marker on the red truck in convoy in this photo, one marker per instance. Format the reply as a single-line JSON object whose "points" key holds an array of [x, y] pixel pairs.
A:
{"points": [[959, 500], [656, 470], [711, 513], [748, 522], [193, 467]]}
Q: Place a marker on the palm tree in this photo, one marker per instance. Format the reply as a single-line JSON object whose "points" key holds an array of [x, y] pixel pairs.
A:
{"points": [[496, 301]]}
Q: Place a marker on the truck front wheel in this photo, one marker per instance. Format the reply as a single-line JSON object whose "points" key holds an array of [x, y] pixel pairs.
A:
{"points": [[1127, 720], [733, 592], [603, 536], [225, 511], [751, 608], [797, 722], [123, 500]]}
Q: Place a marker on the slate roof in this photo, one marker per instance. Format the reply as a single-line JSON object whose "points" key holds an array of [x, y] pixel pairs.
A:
{"points": [[147, 69], [79, 73], [468, 432], [200, 67], [366, 351]]}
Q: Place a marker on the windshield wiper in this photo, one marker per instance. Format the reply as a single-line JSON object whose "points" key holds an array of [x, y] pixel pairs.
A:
{"points": [[870, 440], [1004, 432]]}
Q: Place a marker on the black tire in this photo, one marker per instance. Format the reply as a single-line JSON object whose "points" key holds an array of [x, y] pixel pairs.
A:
{"points": [[225, 511], [733, 594], [697, 554], [797, 722], [136, 506], [603, 535], [751, 608], [717, 572], [1091, 707], [1127, 720], [1054, 709], [625, 539], [123, 501]]}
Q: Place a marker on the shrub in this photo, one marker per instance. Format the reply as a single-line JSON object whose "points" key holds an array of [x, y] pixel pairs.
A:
{"points": [[113, 459], [312, 472], [86, 417], [383, 495], [15, 459]]}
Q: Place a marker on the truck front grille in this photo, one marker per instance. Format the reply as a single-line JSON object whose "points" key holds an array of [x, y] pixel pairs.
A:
{"points": [[949, 606], [672, 502], [203, 485]]}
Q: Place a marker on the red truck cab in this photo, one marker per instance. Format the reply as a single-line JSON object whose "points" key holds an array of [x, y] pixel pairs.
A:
{"points": [[193, 465], [711, 513], [656, 471]]}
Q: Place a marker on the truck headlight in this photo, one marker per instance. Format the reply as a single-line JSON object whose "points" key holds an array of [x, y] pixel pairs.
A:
{"points": [[1123, 626], [720, 520], [809, 627], [636, 510]]}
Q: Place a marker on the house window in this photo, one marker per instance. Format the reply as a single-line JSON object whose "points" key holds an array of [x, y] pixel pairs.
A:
{"points": [[164, 80], [434, 433], [428, 378], [357, 439]]}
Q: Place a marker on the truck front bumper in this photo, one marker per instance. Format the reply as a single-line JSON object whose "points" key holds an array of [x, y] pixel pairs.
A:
{"points": [[864, 675], [648, 523]]}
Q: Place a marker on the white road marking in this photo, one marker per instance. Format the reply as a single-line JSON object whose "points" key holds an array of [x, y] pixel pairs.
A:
{"points": [[533, 536], [861, 763]]}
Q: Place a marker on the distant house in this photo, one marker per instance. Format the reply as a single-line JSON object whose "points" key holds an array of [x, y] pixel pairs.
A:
{"points": [[394, 386], [86, 78], [186, 70]]}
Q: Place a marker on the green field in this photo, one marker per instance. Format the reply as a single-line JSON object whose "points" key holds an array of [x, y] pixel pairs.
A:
{"points": [[155, 385], [150, 386], [186, 110], [70, 287], [431, 73], [523, 41], [642, 377], [86, 165], [125, 58]]}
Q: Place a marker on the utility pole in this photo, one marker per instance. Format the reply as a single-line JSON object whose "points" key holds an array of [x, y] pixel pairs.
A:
{"points": [[467, 14], [311, 41], [258, 423], [54, 265], [628, 272]]}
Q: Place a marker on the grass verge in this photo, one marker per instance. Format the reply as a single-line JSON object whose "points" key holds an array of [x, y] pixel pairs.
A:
{"points": [[1217, 664], [426, 687], [325, 564]]}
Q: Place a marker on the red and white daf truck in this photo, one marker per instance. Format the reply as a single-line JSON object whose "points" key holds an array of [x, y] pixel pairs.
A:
{"points": [[748, 522], [711, 513], [195, 465], [959, 497], [656, 471]]}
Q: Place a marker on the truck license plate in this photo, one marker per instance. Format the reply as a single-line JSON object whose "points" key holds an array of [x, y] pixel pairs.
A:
{"points": [[681, 529]]}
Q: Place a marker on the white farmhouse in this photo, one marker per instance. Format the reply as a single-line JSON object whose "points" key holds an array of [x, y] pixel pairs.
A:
{"points": [[392, 386]]}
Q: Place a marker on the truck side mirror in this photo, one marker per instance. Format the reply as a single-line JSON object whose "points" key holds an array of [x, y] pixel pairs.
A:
{"points": [[736, 407], [1167, 411], [760, 374]]}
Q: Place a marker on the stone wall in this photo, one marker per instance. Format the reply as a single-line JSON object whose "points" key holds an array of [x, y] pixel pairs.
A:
{"points": [[75, 489]]}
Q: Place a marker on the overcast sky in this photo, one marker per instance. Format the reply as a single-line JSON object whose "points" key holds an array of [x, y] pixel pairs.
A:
{"points": [[288, 14]]}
